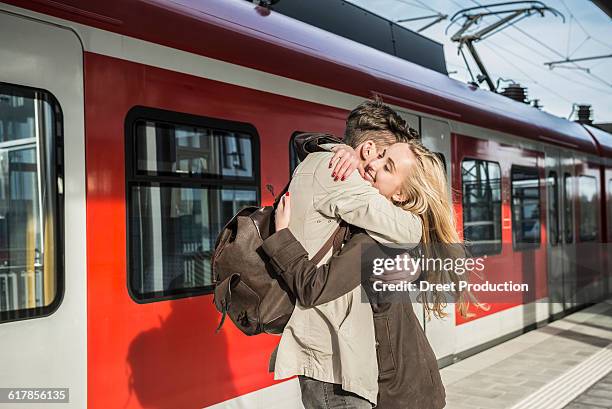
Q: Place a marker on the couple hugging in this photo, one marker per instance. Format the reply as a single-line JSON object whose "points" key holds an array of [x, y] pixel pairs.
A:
{"points": [[345, 352]]}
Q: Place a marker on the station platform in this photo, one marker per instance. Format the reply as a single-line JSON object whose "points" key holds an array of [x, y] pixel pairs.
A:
{"points": [[566, 364]]}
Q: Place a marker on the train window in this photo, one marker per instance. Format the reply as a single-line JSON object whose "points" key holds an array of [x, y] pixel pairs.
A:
{"points": [[31, 273], [588, 208], [186, 177], [553, 208], [414, 121], [176, 149], [525, 207], [568, 210], [294, 161], [481, 182]]}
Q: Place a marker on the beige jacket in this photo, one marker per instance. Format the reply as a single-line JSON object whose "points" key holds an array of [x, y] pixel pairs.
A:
{"points": [[335, 342]]}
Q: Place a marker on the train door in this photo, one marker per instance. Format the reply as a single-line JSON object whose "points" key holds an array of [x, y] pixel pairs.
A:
{"points": [[414, 121], [589, 257], [554, 243], [43, 328], [607, 197], [567, 239], [500, 197], [440, 333]]}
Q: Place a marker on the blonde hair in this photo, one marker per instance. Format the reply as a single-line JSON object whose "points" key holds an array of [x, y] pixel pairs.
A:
{"points": [[427, 195]]}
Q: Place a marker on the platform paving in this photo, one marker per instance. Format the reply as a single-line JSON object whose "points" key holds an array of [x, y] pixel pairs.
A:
{"points": [[598, 396], [522, 372]]}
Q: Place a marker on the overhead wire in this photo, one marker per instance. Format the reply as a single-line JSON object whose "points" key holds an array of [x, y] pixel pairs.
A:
{"points": [[458, 4], [557, 53], [503, 33], [421, 5], [572, 15], [539, 42], [523, 32], [540, 67], [569, 36], [598, 63], [579, 46], [588, 37], [584, 30], [427, 6], [504, 27], [533, 80], [587, 72], [598, 78], [602, 43], [538, 52]]}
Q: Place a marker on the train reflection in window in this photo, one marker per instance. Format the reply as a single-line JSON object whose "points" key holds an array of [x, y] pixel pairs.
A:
{"points": [[588, 208], [553, 208], [568, 209], [525, 207], [169, 149], [481, 181], [186, 183], [173, 234], [30, 280]]}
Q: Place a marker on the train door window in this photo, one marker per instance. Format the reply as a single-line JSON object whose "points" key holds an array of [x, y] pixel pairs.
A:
{"points": [[553, 208], [525, 207], [588, 208], [481, 181], [413, 121], [31, 273], [442, 158], [186, 177], [568, 209]]}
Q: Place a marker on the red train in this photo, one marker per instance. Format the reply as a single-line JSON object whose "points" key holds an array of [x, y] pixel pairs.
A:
{"points": [[130, 131]]}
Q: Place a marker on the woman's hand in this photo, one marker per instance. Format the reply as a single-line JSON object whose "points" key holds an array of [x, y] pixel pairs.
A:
{"points": [[346, 161], [282, 213]]}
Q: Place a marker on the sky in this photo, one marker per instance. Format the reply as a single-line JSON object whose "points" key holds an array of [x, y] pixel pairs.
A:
{"points": [[519, 52]]}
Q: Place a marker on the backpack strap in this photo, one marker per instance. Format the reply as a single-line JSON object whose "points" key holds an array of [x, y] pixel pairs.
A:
{"points": [[223, 296], [335, 241]]}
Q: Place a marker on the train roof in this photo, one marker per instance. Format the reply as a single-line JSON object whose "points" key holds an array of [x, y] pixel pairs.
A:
{"points": [[603, 138], [236, 31]]}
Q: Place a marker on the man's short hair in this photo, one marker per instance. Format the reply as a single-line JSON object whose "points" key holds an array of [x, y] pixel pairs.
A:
{"points": [[373, 120]]}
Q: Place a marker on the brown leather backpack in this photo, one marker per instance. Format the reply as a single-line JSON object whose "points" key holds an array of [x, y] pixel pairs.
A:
{"points": [[246, 288]]}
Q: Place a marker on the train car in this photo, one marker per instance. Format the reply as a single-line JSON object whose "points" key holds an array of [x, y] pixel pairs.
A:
{"points": [[131, 131]]}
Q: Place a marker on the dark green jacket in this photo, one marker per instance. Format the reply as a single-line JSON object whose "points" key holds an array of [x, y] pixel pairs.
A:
{"points": [[408, 371]]}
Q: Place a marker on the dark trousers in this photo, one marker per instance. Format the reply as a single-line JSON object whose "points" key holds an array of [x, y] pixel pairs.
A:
{"points": [[323, 395]]}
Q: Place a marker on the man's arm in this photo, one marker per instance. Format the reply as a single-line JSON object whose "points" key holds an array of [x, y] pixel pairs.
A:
{"points": [[358, 203], [310, 284]]}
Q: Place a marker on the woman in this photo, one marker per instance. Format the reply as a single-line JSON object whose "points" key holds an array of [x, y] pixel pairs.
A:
{"points": [[408, 371]]}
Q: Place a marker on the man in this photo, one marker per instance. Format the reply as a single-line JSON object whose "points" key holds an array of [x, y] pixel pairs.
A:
{"points": [[331, 347], [369, 117]]}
